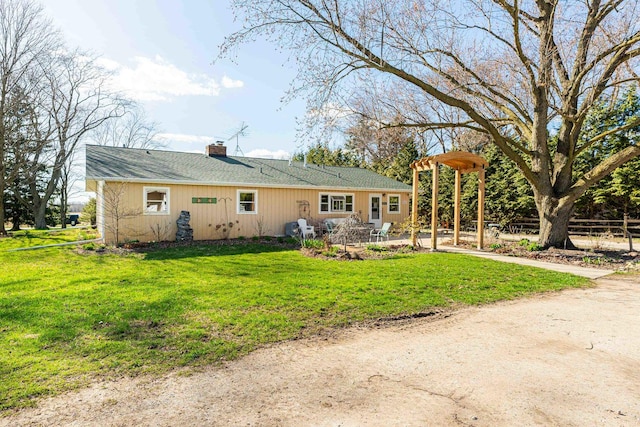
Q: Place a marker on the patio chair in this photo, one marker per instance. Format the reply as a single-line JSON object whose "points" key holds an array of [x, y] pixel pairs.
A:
{"points": [[331, 228], [306, 230], [381, 233]]}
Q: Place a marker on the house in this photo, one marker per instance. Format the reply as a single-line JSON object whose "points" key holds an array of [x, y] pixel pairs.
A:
{"points": [[140, 193]]}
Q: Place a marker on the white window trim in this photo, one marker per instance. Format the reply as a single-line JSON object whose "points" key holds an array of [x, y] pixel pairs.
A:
{"points": [[353, 203], [389, 211], [147, 190], [255, 202]]}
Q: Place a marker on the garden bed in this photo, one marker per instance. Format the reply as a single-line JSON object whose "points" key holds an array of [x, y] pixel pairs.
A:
{"points": [[619, 260]]}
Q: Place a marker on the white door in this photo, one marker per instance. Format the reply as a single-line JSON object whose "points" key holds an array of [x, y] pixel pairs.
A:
{"points": [[375, 210]]}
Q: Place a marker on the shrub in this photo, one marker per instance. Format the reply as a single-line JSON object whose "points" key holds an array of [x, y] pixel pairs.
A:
{"points": [[313, 244], [495, 246], [89, 246], [533, 246], [88, 214], [331, 252], [524, 242], [376, 248]]}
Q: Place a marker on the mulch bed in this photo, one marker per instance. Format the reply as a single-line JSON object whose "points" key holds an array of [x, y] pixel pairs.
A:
{"points": [[608, 259], [618, 260]]}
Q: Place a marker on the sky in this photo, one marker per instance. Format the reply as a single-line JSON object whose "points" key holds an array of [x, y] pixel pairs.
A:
{"points": [[162, 55]]}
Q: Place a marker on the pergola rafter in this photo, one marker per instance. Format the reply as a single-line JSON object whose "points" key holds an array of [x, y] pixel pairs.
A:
{"points": [[461, 162]]}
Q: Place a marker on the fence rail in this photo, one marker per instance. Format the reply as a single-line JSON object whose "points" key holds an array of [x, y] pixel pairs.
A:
{"points": [[584, 227]]}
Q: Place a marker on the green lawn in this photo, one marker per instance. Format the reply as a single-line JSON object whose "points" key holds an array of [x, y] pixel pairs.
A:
{"points": [[67, 317]]}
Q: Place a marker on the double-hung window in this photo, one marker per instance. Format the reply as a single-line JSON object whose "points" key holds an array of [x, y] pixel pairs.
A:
{"points": [[340, 203], [247, 201], [156, 200], [393, 205]]}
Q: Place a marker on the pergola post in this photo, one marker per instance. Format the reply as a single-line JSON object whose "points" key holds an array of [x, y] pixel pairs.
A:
{"points": [[481, 208], [434, 206], [456, 209], [462, 162], [414, 208]]}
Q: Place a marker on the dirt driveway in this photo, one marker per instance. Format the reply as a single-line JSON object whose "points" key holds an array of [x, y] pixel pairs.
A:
{"points": [[570, 358]]}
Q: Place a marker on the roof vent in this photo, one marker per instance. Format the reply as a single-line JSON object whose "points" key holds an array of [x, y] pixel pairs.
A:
{"points": [[216, 150]]}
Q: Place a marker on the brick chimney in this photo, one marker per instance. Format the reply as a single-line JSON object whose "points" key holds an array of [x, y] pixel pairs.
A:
{"points": [[216, 150]]}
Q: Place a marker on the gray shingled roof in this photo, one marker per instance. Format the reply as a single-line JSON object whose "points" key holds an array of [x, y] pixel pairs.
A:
{"points": [[140, 165]]}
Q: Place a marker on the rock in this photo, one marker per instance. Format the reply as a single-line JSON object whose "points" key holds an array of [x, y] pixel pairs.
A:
{"points": [[185, 232]]}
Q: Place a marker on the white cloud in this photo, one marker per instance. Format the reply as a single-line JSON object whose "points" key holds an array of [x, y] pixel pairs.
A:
{"points": [[229, 83], [156, 79], [268, 154]]}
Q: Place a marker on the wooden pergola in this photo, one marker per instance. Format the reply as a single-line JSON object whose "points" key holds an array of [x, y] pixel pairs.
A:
{"points": [[461, 162]]}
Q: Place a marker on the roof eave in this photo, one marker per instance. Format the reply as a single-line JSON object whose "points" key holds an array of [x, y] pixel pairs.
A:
{"points": [[243, 184]]}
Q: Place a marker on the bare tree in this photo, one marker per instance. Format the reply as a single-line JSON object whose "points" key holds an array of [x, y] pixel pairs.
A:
{"points": [[132, 130], [25, 35], [116, 210], [69, 176], [72, 101], [376, 145], [525, 73]]}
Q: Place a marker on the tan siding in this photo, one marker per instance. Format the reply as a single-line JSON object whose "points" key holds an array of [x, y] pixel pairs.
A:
{"points": [[276, 207]]}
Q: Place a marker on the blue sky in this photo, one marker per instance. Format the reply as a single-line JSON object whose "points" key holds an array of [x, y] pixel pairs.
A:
{"points": [[162, 53]]}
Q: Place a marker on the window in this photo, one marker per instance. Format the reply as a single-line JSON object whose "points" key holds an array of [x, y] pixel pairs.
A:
{"points": [[156, 201], [393, 206], [336, 203], [247, 201]]}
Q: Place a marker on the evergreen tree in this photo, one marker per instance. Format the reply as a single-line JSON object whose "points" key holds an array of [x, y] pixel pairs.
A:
{"points": [[89, 212], [321, 154], [618, 193], [400, 167]]}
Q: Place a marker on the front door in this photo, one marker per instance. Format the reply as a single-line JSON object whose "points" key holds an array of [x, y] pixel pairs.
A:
{"points": [[375, 210]]}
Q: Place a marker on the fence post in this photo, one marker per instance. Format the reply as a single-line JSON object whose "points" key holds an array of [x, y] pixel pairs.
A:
{"points": [[625, 224]]}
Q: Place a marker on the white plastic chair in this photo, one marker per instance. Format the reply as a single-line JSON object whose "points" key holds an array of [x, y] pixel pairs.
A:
{"points": [[306, 230], [381, 233]]}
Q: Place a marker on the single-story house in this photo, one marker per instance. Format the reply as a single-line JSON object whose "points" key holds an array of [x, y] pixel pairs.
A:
{"points": [[140, 193]]}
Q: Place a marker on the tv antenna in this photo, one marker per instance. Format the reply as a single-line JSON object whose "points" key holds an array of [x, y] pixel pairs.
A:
{"points": [[242, 131]]}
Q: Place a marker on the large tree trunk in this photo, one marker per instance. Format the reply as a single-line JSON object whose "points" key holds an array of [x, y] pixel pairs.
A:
{"points": [[39, 210], [40, 214], [554, 222], [63, 204], [3, 231]]}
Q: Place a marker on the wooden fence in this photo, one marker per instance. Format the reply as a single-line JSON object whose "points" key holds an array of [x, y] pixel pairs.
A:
{"points": [[583, 227]]}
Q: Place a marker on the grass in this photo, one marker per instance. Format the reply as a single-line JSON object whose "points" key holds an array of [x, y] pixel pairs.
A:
{"points": [[30, 238], [66, 318]]}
